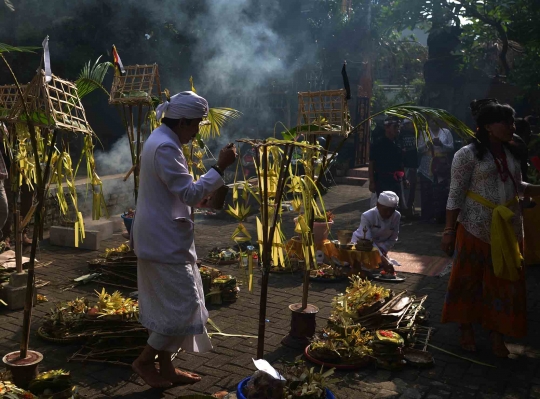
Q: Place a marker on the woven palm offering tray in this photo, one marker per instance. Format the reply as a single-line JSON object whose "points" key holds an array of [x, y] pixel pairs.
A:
{"points": [[78, 320], [393, 321], [351, 350], [222, 256], [327, 274], [387, 349]]}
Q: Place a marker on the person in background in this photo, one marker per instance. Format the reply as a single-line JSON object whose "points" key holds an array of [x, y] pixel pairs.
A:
{"points": [[484, 229], [171, 297], [386, 171], [435, 171], [382, 228], [407, 142]]}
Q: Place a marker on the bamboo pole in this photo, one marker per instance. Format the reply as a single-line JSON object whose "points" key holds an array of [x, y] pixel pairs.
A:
{"points": [[18, 235], [269, 239], [131, 135], [310, 214], [265, 255], [138, 151], [15, 191], [38, 221], [30, 282]]}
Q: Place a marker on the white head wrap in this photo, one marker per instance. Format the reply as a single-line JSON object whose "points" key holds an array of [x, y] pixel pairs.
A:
{"points": [[183, 105], [388, 198]]}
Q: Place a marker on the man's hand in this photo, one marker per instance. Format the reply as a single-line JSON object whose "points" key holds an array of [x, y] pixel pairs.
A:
{"points": [[227, 156], [372, 186]]}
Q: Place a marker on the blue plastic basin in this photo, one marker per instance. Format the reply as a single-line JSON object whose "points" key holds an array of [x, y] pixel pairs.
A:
{"points": [[127, 222]]}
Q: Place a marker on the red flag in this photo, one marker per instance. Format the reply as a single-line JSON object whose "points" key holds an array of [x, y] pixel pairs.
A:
{"points": [[118, 67]]}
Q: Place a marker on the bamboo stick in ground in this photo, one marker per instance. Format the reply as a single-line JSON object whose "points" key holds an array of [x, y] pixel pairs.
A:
{"points": [[263, 189]]}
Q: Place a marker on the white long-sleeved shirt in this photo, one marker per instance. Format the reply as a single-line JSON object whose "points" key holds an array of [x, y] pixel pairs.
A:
{"points": [[383, 232], [162, 229]]}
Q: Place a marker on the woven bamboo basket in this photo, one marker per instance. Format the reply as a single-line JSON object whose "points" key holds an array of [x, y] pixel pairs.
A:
{"points": [[136, 86], [9, 95], [330, 105], [53, 105]]}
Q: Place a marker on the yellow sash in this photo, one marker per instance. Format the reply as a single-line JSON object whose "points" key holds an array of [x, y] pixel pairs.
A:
{"points": [[505, 253]]}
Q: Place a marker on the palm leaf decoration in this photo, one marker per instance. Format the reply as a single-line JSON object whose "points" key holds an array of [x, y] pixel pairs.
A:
{"points": [[217, 117], [6, 48], [91, 77], [420, 117]]}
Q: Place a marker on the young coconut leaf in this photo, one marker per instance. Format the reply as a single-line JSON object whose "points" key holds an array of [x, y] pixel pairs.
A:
{"points": [[217, 118], [91, 77], [6, 48]]}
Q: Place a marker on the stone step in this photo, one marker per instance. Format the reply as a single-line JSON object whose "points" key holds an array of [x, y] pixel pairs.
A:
{"points": [[359, 172], [65, 237], [94, 230], [351, 181]]}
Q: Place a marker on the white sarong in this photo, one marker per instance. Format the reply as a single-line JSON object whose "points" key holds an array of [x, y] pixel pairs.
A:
{"points": [[171, 306]]}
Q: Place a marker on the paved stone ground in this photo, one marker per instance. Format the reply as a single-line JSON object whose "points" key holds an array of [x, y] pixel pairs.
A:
{"points": [[230, 361]]}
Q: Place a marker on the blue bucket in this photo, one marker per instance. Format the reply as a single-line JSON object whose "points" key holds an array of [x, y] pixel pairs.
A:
{"points": [[243, 383], [127, 222]]}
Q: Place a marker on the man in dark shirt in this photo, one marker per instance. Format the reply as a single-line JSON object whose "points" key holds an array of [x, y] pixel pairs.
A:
{"points": [[386, 161], [407, 142]]}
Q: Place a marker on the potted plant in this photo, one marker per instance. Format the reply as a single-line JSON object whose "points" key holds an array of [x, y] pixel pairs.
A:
{"points": [[300, 382], [322, 224]]}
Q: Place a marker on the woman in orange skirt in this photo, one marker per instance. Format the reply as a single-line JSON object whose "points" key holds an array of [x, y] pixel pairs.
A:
{"points": [[487, 284]]}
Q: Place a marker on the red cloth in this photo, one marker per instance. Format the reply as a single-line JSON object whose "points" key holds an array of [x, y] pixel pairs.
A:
{"points": [[536, 162]]}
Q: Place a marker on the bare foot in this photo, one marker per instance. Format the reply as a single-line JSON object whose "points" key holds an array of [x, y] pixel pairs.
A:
{"points": [[150, 375], [181, 377], [498, 345], [220, 394]]}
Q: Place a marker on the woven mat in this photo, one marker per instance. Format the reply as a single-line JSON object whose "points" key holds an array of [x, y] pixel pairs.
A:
{"points": [[421, 264]]}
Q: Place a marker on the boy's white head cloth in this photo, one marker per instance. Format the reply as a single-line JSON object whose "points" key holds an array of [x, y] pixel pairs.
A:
{"points": [[183, 105], [388, 198]]}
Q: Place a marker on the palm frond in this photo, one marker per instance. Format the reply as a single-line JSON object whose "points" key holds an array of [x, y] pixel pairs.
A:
{"points": [[6, 48], [217, 117], [91, 77], [420, 117]]}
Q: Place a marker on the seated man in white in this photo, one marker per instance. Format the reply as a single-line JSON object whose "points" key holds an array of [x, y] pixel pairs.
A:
{"points": [[381, 225]]}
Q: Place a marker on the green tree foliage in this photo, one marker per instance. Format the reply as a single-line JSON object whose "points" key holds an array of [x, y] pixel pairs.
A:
{"points": [[491, 29], [358, 31]]}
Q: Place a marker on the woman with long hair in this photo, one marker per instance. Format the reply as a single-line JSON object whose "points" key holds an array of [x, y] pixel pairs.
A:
{"points": [[484, 231]]}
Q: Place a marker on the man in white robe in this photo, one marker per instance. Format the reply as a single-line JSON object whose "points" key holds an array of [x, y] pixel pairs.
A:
{"points": [[171, 298], [381, 225]]}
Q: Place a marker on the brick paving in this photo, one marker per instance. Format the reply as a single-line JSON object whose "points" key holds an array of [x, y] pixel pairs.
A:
{"points": [[230, 361]]}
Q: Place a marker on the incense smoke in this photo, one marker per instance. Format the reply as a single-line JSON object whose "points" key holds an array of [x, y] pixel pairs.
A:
{"points": [[236, 50]]}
